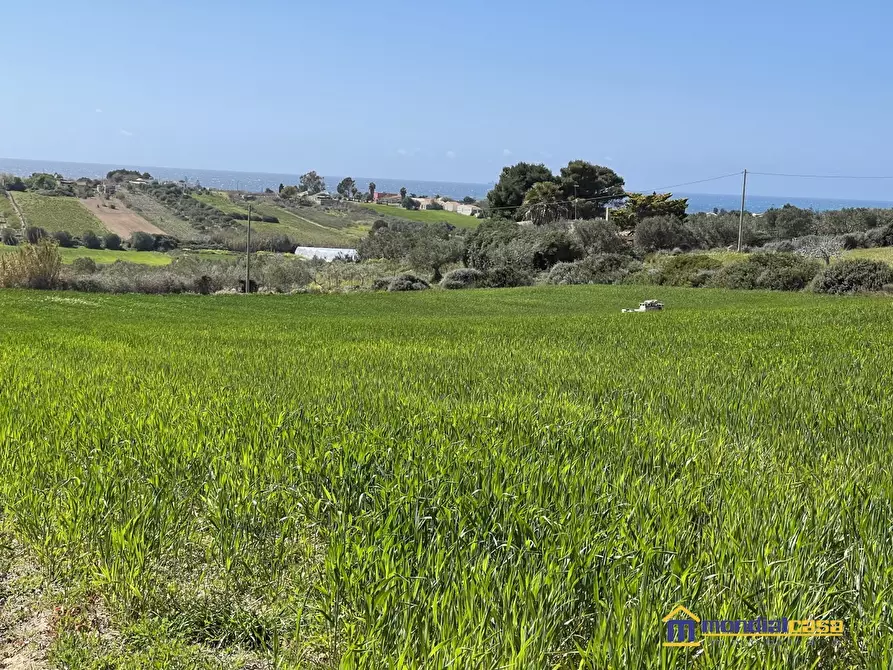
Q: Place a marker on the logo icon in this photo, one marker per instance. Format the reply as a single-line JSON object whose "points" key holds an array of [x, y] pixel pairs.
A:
{"points": [[682, 626]]}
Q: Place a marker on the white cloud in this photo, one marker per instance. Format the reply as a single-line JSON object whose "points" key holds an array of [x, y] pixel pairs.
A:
{"points": [[608, 158], [450, 154], [98, 111], [506, 152], [126, 133], [402, 152]]}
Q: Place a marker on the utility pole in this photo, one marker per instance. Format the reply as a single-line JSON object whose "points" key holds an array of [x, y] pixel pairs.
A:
{"points": [[575, 202], [741, 215], [248, 255]]}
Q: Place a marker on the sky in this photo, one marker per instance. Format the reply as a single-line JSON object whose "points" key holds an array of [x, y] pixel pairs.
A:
{"points": [[664, 93]]}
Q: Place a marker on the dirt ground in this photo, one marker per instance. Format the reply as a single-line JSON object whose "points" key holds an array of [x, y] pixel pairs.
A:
{"points": [[120, 220]]}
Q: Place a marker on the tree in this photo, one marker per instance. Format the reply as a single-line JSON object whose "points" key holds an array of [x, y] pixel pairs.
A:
{"points": [[111, 241], [41, 181], [468, 200], [371, 191], [347, 187], [789, 221], [598, 237], [63, 238], [9, 182], [281, 186], [821, 247], [409, 203], [639, 206], [90, 240], [288, 192], [593, 186], [33, 234], [402, 192], [430, 252], [312, 183], [141, 241], [544, 203], [515, 181]]}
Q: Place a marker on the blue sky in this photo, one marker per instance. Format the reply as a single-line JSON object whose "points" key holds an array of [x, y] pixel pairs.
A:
{"points": [[662, 92]]}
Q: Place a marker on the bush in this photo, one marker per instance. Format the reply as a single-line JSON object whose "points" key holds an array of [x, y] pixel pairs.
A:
{"points": [[691, 270], [90, 240], [8, 237], [31, 266], [771, 271], [281, 244], [462, 278], [408, 282], [33, 234], [111, 241], [64, 238], [141, 241], [507, 276], [663, 232], [601, 269], [599, 237], [84, 266], [853, 276]]}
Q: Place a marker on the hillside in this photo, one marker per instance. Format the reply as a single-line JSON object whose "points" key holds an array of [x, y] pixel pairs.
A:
{"points": [[55, 213]]}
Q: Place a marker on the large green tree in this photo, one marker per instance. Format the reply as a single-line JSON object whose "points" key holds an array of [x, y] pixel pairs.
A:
{"points": [[312, 183], [592, 187], [507, 197], [640, 206], [371, 191], [347, 187]]}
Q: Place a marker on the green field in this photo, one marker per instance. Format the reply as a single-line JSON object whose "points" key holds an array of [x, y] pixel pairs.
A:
{"points": [[519, 478], [427, 216], [156, 213], [53, 213], [8, 216], [107, 256], [884, 254], [301, 229]]}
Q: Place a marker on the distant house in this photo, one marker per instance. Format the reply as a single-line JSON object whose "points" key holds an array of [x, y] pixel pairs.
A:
{"points": [[468, 210], [387, 198], [107, 189], [322, 198], [140, 182], [450, 205]]}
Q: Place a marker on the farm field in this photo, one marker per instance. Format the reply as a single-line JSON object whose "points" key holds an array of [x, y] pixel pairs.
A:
{"points": [[108, 256], [120, 220], [884, 254], [301, 229], [8, 216], [426, 216], [157, 214], [54, 213], [521, 478]]}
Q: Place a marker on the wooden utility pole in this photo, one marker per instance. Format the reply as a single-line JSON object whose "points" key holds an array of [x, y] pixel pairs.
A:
{"points": [[741, 215], [248, 255]]}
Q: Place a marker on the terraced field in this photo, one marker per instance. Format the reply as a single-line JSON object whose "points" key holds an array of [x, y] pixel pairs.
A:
{"points": [[299, 227], [8, 215], [53, 213]]}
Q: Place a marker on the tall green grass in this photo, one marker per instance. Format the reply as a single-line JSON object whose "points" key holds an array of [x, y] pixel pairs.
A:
{"points": [[55, 213], [486, 479]]}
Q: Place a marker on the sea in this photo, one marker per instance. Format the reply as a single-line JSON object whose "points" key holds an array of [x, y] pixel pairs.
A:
{"points": [[258, 181]]}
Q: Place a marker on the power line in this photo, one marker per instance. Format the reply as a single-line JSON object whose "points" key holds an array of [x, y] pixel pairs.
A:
{"points": [[699, 181], [817, 176]]}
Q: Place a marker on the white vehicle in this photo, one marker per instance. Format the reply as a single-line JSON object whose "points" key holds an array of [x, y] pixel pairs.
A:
{"points": [[647, 306]]}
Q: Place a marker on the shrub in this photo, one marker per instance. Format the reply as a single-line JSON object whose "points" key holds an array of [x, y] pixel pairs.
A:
{"points": [[33, 234], [285, 273], [772, 271], [165, 242], [853, 276], [281, 244], [90, 240], [64, 238], [663, 232], [111, 241], [382, 283], [600, 269], [379, 223], [31, 266], [687, 269], [8, 237], [462, 278], [598, 237], [408, 282], [507, 276], [141, 241], [86, 266]]}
